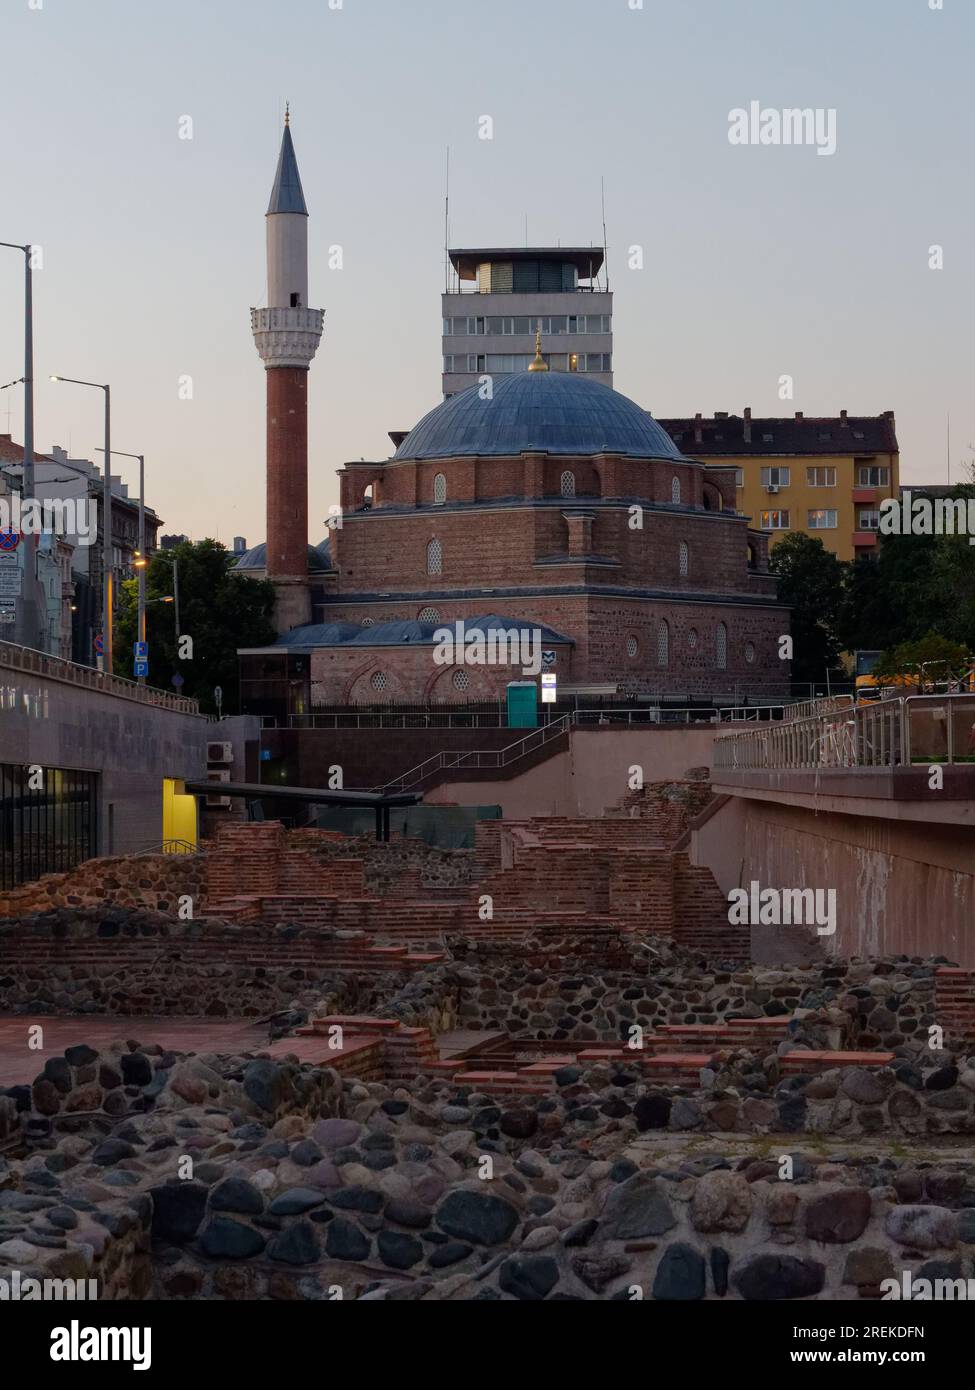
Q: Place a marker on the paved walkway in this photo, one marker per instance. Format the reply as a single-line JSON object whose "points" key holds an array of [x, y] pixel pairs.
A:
{"points": [[21, 1063]]}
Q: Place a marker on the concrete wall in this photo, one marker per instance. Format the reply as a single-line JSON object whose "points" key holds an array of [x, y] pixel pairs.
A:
{"points": [[901, 885], [590, 776], [131, 745]]}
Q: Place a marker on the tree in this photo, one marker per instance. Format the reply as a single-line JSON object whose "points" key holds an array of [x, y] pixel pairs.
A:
{"points": [[932, 658], [811, 583], [219, 612]]}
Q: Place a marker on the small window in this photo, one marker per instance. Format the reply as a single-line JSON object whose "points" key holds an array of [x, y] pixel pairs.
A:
{"points": [[821, 477], [750, 653], [692, 639], [368, 622], [721, 647], [767, 438], [663, 644], [435, 557], [675, 490], [568, 484], [379, 680], [461, 680], [685, 558], [296, 301], [873, 476], [821, 520], [632, 646], [775, 521], [439, 490], [428, 615], [868, 520], [739, 477], [776, 477]]}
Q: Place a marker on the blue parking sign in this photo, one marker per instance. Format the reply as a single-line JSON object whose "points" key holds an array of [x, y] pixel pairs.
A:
{"points": [[141, 668], [141, 651]]}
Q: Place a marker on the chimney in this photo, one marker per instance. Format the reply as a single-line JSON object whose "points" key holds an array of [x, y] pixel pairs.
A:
{"points": [[747, 428], [843, 420], [698, 431], [798, 414], [721, 415]]}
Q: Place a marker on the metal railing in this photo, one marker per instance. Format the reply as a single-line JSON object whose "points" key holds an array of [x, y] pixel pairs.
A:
{"points": [[498, 719], [54, 668], [479, 758], [887, 733]]}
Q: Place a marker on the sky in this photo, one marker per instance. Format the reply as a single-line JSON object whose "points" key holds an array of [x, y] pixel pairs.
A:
{"points": [[759, 261]]}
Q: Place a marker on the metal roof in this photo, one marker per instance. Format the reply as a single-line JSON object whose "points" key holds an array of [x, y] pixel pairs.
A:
{"points": [[544, 412], [287, 194], [319, 558], [406, 632]]}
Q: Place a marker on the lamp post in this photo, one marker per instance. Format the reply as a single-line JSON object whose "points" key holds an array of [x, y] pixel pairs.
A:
{"points": [[30, 626], [107, 547], [142, 562]]}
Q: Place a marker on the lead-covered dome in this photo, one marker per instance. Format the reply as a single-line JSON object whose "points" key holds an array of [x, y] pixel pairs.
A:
{"points": [[548, 412]]}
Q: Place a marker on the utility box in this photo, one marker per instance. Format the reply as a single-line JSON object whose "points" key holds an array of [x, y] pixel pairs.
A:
{"points": [[522, 705]]}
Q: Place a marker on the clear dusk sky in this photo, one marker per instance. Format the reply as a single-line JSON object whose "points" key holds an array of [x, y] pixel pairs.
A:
{"points": [[758, 261]]}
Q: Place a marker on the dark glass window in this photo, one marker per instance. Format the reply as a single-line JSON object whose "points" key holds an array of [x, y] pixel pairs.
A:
{"points": [[47, 828]]}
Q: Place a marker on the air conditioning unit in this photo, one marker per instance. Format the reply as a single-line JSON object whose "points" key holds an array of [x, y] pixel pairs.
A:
{"points": [[217, 778], [772, 489], [220, 753]]}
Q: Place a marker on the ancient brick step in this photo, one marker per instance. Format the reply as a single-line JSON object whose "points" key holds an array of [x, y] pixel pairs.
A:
{"points": [[801, 1061]]}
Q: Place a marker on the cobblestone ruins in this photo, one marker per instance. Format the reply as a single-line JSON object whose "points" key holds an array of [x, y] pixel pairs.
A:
{"points": [[350, 1070]]}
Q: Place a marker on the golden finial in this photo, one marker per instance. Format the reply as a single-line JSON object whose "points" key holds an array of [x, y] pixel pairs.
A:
{"points": [[539, 364], [287, 113]]}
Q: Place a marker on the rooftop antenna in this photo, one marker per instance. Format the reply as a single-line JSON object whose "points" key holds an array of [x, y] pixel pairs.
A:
{"points": [[602, 191], [526, 230], [446, 229], [948, 445]]}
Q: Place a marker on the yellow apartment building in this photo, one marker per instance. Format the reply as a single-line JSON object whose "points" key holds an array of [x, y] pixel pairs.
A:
{"points": [[825, 475]]}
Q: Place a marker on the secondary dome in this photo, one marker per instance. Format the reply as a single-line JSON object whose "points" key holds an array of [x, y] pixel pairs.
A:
{"points": [[319, 559], [548, 412]]}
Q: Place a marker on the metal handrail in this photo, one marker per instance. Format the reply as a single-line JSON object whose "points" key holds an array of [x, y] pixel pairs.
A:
{"points": [[56, 668]]}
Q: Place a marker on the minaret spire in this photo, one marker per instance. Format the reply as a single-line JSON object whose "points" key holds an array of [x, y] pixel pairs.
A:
{"points": [[287, 334]]}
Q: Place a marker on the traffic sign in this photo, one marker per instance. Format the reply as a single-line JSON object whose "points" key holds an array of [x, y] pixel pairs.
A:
{"points": [[141, 650], [9, 540], [141, 668], [177, 681], [218, 696], [99, 644], [549, 689]]}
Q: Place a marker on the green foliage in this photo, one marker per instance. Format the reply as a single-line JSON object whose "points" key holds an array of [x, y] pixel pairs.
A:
{"points": [[218, 610], [938, 654], [811, 583]]}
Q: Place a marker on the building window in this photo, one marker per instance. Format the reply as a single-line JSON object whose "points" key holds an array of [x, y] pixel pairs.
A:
{"points": [[675, 490], [870, 475], [821, 520], [368, 622], [428, 615], [379, 680], [776, 477], [435, 558], [663, 644], [632, 646], [821, 477], [868, 520], [461, 680], [685, 558], [739, 477], [775, 521], [721, 647], [439, 490], [692, 639], [45, 829], [568, 484], [750, 653]]}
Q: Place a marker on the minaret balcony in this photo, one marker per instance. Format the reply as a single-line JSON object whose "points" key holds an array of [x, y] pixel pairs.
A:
{"points": [[287, 337]]}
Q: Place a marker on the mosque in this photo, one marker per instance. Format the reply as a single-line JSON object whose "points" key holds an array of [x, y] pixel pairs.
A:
{"points": [[540, 500]]}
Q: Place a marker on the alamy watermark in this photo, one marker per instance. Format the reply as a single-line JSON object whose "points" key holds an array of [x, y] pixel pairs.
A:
{"points": [[927, 516], [783, 907], [766, 125], [21, 1288], [47, 516], [493, 646]]}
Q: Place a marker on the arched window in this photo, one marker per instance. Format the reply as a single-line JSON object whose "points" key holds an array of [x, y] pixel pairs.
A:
{"points": [[435, 557], [379, 681], [721, 647], [428, 615], [568, 484], [462, 680], [692, 639], [632, 646], [685, 558], [750, 652], [663, 644], [675, 490], [439, 490]]}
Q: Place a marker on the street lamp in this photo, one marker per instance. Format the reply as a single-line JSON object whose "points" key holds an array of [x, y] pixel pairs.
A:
{"points": [[107, 547], [141, 562], [30, 629]]}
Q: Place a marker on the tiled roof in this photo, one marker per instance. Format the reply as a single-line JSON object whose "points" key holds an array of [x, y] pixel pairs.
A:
{"points": [[724, 436], [14, 453]]}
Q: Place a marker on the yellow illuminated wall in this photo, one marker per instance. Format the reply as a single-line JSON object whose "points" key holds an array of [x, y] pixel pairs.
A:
{"points": [[180, 830]]}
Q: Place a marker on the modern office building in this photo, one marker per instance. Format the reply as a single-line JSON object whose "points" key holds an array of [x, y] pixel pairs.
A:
{"points": [[824, 475], [498, 299]]}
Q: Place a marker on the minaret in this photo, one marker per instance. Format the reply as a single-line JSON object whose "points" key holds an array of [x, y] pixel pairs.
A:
{"points": [[287, 334]]}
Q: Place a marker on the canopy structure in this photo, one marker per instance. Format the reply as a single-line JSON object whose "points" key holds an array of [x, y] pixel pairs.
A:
{"points": [[258, 791]]}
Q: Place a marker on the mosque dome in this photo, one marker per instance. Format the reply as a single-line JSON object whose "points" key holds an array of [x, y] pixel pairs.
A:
{"points": [[545, 412], [319, 559]]}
